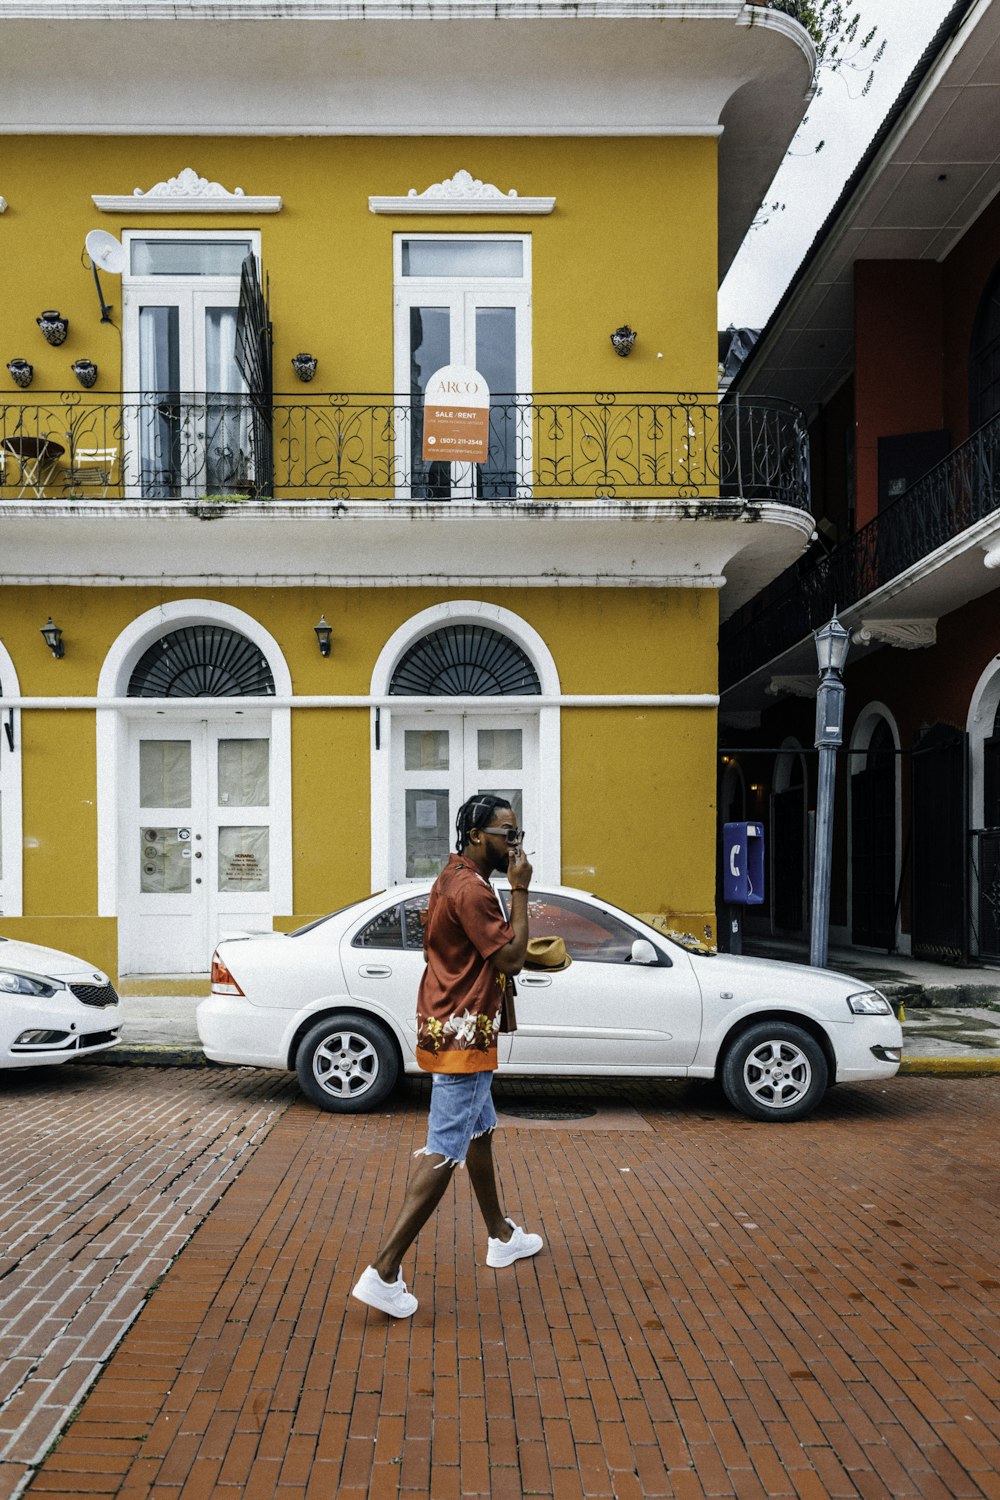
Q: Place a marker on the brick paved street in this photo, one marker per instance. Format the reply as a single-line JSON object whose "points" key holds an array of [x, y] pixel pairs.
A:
{"points": [[724, 1309], [105, 1175]]}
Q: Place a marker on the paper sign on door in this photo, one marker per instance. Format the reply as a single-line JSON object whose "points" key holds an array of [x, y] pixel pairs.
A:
{"points": [[456, 416]]}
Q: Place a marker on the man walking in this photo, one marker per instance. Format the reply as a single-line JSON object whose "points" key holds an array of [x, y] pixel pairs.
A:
{"points": [[471, 951]]}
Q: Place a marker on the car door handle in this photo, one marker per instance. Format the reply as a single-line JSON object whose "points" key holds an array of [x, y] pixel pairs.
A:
{"points": [[538, 981], [375, 971]]}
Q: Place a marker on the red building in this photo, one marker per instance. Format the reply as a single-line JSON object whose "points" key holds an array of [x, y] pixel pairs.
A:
{"points": [[889, 335]]}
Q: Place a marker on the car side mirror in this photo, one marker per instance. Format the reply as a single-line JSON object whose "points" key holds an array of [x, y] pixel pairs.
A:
{"points": [[643, 952]]}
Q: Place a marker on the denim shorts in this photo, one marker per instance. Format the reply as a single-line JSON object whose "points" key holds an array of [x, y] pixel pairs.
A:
{"points": [[461, 1109]]}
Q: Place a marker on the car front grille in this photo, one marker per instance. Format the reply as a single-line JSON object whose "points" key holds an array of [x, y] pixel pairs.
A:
{"points": [[95, 994]]}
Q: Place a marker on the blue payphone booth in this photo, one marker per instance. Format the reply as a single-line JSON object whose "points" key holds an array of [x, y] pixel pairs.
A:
{"points": [[742, 874]]}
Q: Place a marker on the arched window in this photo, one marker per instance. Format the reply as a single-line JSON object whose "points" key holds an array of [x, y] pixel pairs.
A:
{"points": [[984, 356], [202, 661], [464, 660]]}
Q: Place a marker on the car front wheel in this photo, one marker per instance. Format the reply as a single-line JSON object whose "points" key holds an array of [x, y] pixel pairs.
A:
{"points": [[774, 1071], [347, 1064]]}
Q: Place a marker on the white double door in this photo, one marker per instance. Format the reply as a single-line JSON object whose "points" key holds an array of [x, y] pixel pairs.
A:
{"points": [[441, 761], [489, 330], [195, 841], [188, 431]]}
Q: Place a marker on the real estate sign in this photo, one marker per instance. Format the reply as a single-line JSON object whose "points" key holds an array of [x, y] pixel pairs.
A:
{"points": [[456, 416]]}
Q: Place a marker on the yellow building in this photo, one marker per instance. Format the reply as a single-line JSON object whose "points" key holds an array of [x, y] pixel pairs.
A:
{"points": [[237, 251]]}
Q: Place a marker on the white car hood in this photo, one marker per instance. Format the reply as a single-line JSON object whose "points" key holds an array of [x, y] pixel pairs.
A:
{"points": [[773, 979], [48, 963]]}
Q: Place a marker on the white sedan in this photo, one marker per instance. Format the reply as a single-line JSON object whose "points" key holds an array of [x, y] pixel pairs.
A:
{"points": [[52, 1006], [336, 1003]]}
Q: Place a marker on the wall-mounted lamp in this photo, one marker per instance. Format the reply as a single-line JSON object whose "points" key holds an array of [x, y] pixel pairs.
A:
{"points": [[21, 372], [53, 638], [324, 634], [304, 366], [85, 371], [54, 327], [623, 338]]}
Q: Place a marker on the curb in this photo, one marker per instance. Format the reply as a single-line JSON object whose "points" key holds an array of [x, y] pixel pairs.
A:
{"points": [[951, 1067], [156, 1055]]}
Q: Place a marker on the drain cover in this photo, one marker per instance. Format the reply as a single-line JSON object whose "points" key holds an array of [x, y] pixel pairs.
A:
{"points": [[548, 1110]]}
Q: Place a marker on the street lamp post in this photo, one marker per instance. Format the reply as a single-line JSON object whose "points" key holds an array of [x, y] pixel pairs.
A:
{"points": [[832, 643]]}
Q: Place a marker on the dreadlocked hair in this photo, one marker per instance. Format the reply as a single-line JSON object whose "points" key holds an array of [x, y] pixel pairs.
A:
{"points": [[476, 813]]}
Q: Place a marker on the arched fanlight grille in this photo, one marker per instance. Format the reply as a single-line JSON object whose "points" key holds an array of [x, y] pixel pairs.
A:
{"points": [[464, 660], [202, 661]]}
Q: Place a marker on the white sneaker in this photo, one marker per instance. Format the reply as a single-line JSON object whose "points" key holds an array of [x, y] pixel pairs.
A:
{"points": [[506, 1252], [388, 1296]]}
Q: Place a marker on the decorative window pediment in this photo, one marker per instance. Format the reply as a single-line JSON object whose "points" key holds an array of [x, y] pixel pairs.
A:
{"points": [[462, 194], [186, 193]]}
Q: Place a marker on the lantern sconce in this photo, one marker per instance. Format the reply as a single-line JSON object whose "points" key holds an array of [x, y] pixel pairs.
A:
{"points": [[324, 635], [304, 366], [623, 339], [54, 327], [21, 372], [85, 371], [53, 638]]}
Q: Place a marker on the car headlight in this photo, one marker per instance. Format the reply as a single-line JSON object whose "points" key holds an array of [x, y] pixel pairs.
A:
{"points": [[869, 1003], [23, 984]]}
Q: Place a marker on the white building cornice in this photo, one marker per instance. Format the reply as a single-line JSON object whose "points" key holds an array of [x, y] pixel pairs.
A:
{"points": [[186, 193], [461, 194]]}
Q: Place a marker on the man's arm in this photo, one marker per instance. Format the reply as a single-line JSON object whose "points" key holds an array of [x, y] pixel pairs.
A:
{"points": [[510, 958]]}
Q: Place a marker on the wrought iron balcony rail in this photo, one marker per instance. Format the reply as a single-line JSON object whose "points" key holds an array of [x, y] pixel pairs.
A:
{"points": [[168, 446], [961, 490]]}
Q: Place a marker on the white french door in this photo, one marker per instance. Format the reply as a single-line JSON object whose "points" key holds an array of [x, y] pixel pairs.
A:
{"points": [[187, 430], [437, 763], [195, 842], [465, 300]]}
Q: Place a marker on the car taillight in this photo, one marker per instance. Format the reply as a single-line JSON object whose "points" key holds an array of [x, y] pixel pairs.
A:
{"points": [[223, 982]]}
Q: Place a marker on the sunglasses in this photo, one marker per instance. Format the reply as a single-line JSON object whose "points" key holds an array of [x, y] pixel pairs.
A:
{"points": [[512, 835]]}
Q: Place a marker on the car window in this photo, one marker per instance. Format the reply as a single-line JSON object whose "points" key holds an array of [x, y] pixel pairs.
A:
{"points": [[383, 931], [413, 924], [590, 935]]}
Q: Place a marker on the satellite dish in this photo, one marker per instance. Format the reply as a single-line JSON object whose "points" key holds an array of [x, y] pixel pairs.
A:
{"points": [[105, 251]]}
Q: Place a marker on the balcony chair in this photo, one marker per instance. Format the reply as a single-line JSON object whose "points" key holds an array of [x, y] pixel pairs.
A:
{"points": [[92, 467]]}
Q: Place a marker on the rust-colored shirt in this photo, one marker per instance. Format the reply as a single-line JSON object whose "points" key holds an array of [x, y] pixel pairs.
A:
{"points": [[458, 1005]]}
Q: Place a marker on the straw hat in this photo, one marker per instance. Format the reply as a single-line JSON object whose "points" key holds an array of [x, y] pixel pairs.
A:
{"points": [[547, 953]]}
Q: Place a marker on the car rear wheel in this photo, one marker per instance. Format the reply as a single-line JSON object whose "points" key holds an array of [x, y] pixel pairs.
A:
{"points": [[347, 1064], [774, 1071]]}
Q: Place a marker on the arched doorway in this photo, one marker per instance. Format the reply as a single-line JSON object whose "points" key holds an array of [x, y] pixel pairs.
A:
{"points": [[788, 839], [201, 790], [429, 756], [873, 834]]}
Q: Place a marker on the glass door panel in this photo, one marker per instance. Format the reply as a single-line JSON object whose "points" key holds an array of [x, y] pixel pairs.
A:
{"points": [[223, 437], [495, 357], [240, 828], [159, 414], [430, 345]]}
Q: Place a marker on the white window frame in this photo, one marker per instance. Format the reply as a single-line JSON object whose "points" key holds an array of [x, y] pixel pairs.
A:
{"points": [[547, 860], [409, 291], [112, 736], [183, 292]]}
